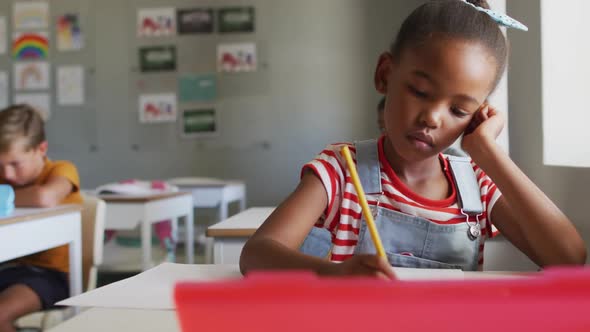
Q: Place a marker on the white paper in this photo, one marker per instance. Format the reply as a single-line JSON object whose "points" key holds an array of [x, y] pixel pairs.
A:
{"points": [[31, 76], [157, 108], [30, 15], [237, 57], [69, 34], [70, 85], [156, 22], [4, 89], [40, 101], [152, 289], [3, 35]]}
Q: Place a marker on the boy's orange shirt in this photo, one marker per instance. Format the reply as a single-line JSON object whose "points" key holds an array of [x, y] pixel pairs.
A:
{"points": [[56, 258]]}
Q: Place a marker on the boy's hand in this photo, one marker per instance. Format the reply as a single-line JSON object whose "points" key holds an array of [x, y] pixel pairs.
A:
{"points": [[486, 125], [366, 265]]}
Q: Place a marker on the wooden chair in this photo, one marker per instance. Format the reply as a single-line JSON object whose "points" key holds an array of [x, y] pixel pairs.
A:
{"points": [[93, 221]]}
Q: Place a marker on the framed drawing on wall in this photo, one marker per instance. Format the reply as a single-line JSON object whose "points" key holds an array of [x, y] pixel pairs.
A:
{"points": [[199, 122]]}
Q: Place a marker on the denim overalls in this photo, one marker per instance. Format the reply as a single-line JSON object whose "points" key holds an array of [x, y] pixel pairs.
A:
{"points": [[411, 241]]}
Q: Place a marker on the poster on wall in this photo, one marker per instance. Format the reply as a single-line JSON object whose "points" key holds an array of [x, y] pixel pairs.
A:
{"points": [[69, 33], [4, 102], [39, 101], [3, 35], [31, 75], [197, 88], [30, 45], [236, 19], [157, 58], [70, 85], [237, 57], [30, 15], [197, 20], [157, 108], [156, 22], [201, 122]]}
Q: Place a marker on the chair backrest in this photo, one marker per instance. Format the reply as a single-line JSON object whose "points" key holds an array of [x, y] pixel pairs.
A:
{"points": [[93, 220]]}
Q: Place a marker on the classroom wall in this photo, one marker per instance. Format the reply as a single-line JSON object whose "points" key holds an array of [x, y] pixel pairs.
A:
{"points": [[566, 186], [314, 86]]}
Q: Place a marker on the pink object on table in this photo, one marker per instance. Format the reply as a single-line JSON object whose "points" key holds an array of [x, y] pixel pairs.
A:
{"points": [[160, 185], [555, 300]]}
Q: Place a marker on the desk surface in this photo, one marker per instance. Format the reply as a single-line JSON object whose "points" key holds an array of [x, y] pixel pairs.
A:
{"points": [[121, 320], [119, 198], [25, 214], [131, 293], [196, 182], [243, 224]]}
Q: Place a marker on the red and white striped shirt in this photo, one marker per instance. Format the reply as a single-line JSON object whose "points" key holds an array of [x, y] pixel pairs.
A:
{"points": [[342, 216]]}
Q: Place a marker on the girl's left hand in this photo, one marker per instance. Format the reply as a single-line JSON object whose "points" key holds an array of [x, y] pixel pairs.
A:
{"points": [[486, 125]]}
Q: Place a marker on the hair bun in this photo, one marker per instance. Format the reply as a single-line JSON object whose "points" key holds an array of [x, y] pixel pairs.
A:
{"points": [[480, 3]]}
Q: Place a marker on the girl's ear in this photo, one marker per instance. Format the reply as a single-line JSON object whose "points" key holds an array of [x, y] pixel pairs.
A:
{"points": [[383, 71]]}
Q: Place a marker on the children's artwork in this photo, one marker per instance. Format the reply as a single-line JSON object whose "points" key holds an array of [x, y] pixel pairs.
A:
{"points": [[197, 87], [199, 122], [3, 35], [198, 20], [30, 45], [31, 76], [236, 19], [157, 58], [30, 15], [156, 22], [157, 108], [39, 101], [70, 85], [3, 89], [69, 34], [239, 57]]}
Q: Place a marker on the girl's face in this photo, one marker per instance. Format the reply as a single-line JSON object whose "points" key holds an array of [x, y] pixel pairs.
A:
{"points": [[432, 92]]}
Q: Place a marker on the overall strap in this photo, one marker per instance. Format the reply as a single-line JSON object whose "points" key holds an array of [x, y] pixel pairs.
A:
{"points": [[368, 167], [468, 195]]}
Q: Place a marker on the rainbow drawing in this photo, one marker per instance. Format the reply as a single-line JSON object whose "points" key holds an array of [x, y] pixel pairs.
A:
{"points": [[30, 46]]}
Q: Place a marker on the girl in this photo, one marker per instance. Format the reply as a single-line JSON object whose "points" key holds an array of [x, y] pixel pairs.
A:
{"points": [[444, 63]]}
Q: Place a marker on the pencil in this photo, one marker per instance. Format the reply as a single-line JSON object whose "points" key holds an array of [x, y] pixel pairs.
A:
{"points": [[363, 201]]}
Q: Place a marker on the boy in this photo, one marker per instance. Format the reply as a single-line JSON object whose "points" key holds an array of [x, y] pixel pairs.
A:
{"points": [[37, 281]]}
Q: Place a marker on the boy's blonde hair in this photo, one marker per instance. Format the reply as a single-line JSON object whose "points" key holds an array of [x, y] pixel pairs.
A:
{"points": [[20, 121]]}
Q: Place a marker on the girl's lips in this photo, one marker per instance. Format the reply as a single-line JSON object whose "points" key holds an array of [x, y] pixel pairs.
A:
{"points": [[422, 138]]}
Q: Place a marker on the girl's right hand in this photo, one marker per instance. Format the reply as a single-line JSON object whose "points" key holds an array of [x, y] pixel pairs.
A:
{"points": [[365, 265]]}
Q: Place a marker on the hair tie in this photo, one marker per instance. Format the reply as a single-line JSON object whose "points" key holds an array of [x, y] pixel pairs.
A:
{"points": [[500, 18]]}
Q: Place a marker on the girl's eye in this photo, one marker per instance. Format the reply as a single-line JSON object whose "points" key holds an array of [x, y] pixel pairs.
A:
{"points": [[417, 93], [458, 112]]}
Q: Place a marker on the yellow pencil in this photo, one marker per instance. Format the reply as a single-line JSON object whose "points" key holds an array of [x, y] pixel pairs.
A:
{"points": [[363, 201]]}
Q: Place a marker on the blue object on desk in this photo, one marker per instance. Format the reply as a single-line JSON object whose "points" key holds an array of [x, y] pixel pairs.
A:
{"points": [[6, 200]]}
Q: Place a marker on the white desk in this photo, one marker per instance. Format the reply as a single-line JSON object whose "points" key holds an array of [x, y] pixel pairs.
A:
{"points": [[230, 235], [28, 231], [211, 193], [126, 306], [125, 212], [121, 320]]}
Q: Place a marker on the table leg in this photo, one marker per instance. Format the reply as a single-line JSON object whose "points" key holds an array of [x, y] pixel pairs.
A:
{"points": [[75, 251], [190, 234], [146, 244]]}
